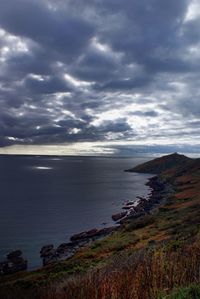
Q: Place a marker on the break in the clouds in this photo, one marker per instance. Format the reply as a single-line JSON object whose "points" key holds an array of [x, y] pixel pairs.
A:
{"points": [[99, 76]]}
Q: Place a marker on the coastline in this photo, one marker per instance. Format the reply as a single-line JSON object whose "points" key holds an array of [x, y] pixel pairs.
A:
{"points": [[143, 255], [159, 191], [48, 223]]}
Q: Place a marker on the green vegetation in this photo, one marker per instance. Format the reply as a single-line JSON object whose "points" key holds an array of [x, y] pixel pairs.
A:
{"points": [[191, 292], [154, 256]]}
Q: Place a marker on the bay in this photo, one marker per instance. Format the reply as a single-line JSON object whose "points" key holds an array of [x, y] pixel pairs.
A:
{"points": [[44, 200]]}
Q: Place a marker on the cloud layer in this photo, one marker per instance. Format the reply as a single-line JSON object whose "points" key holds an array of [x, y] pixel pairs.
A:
{"points": [[112, 72]]}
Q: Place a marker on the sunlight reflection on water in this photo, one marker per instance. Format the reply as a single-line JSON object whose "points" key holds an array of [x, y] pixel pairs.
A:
{"points": [[43, 167]]}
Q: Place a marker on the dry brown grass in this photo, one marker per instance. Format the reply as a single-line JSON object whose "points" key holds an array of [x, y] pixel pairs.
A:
{"points": [[138, 275]]}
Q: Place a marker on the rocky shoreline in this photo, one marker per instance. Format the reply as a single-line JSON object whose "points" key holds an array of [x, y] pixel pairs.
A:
{"points": [[49, 254], [159, 189]]}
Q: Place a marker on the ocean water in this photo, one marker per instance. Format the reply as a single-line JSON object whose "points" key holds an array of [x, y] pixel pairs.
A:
{"points": [[44, 200]]}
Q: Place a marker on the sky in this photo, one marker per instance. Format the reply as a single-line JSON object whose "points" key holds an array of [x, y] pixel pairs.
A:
{"points": [[99, 76]]}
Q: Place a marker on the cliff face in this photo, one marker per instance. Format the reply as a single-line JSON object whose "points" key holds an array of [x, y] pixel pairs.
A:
{"points": [[163, 164]]}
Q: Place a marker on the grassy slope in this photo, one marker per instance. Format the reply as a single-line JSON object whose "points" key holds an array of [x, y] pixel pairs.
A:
{"points": [[147, 257]]}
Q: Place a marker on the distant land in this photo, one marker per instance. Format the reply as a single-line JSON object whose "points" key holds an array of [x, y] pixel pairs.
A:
{"points": [[154, 253]]}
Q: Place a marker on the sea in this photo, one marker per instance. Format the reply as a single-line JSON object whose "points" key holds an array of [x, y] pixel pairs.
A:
{"points": [[46, 199]]}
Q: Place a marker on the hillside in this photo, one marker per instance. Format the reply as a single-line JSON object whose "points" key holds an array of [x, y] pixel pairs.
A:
{"points": [[155, 255], [162, 164]]}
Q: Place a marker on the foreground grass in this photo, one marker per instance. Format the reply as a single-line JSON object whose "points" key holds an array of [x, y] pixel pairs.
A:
{"points": [[140, 274]]}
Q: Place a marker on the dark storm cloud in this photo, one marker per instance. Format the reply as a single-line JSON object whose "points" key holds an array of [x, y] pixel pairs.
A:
{"points": [[98, 70], [46, 86], [150, 113], [147, 31], [191, 31], [35, 62], [112, 130], [96, 66], [127, 84], [56, 31]]}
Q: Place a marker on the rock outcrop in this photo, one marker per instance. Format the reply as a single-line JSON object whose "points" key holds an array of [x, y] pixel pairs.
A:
{"points": [[49, 254], [119, 216], [14, 263], [159, 189]]}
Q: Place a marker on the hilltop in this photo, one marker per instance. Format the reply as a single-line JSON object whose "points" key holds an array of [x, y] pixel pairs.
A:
{"points": [[153, 255], [162, 164]]}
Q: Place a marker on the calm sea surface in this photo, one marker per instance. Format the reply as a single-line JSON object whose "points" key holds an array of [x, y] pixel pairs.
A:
{"points": [[46, 199]]}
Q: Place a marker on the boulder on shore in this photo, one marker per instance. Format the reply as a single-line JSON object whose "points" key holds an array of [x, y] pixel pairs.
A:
{"points": [[119, 216], [91, 234], [49, 254], [47, 250], [84, 235], [14, 263]]}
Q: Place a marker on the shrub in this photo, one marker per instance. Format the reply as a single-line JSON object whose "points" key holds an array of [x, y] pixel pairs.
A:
{"points": [[191, 292], [140, 223]]}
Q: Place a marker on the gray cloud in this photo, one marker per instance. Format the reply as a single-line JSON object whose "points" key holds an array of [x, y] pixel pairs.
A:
{"points": [[99, 71], [54, 30], [46, 86]]}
